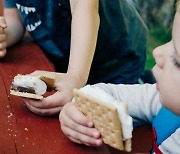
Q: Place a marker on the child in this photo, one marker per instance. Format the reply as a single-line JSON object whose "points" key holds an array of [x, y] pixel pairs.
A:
{"points": [[107, 36], [158, 103]]}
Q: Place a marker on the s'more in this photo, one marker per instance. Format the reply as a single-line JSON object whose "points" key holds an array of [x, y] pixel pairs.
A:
{"points": [[109, 116], [32, 86]]}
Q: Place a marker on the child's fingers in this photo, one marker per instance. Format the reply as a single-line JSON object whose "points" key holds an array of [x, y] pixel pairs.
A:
{"points": [[78, 128], [3, 22], [78, 141], [78, 117], [3, 37], [2, 53], [2, 31], [75, 140], [3, 45], [82, 138]]}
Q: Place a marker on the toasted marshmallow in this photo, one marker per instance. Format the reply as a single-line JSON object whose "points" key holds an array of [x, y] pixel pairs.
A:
{"points": [[30, 82]]}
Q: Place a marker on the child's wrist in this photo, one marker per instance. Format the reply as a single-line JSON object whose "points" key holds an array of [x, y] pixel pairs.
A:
{"points": [[81, 79]]}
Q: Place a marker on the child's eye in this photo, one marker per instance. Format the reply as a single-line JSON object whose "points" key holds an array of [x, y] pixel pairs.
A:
{"points": [[175, 61]]}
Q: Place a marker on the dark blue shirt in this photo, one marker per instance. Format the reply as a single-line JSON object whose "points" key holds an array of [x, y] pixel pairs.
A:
{"points": [[121, 38]]}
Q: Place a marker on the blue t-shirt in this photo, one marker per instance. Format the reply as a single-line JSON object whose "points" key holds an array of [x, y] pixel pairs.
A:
{"points": [[121, 40]]}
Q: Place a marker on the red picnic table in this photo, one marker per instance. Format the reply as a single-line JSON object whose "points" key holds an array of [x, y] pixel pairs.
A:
{"points": [[22, 131]]}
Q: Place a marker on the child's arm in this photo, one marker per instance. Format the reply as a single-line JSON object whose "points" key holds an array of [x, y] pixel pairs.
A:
{"points": [[3, 37], [15, 29], [84, 30], [11, 29], [142, 100], [77, 127]]}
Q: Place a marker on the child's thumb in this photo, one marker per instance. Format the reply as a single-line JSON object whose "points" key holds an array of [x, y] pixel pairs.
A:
{"points": [[3, 22]]}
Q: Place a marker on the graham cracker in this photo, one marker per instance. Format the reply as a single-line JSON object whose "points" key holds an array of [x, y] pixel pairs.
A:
{"points": [[105, 119], [24, 94], [49, 79]]}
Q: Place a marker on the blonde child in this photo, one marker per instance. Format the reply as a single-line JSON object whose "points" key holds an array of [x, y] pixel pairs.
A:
{"points": [[158, 103]]}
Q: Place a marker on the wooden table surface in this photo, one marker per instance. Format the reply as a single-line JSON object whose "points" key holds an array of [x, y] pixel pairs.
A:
{"points": [[22, 131]]}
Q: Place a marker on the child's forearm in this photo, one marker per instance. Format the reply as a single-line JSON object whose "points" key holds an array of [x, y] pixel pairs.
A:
{"points": [[85, 24], [14, 30]]}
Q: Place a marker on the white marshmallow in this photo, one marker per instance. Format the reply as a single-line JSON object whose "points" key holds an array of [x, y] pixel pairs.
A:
{"points": [[27, 81]]}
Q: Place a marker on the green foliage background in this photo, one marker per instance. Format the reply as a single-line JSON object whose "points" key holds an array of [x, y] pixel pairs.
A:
{"points": [[157, 36]]}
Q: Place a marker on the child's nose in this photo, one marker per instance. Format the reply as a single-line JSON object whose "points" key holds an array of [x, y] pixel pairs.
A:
{"points": [[158, 56]]}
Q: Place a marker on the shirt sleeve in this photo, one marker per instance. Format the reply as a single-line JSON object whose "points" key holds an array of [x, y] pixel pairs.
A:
{"points": [[142, 100], [9, 3], [172, 143]]}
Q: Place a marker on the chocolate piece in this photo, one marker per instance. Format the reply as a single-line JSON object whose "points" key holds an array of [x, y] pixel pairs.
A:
{"points": [[23, 89]]}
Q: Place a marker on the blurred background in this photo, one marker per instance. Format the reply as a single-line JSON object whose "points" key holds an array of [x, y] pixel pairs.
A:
{"points": [[158, 16]]}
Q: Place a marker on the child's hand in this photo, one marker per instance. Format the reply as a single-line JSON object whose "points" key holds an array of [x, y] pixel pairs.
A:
{"points": [[53, 104], [77, 127], [3, 43]]}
